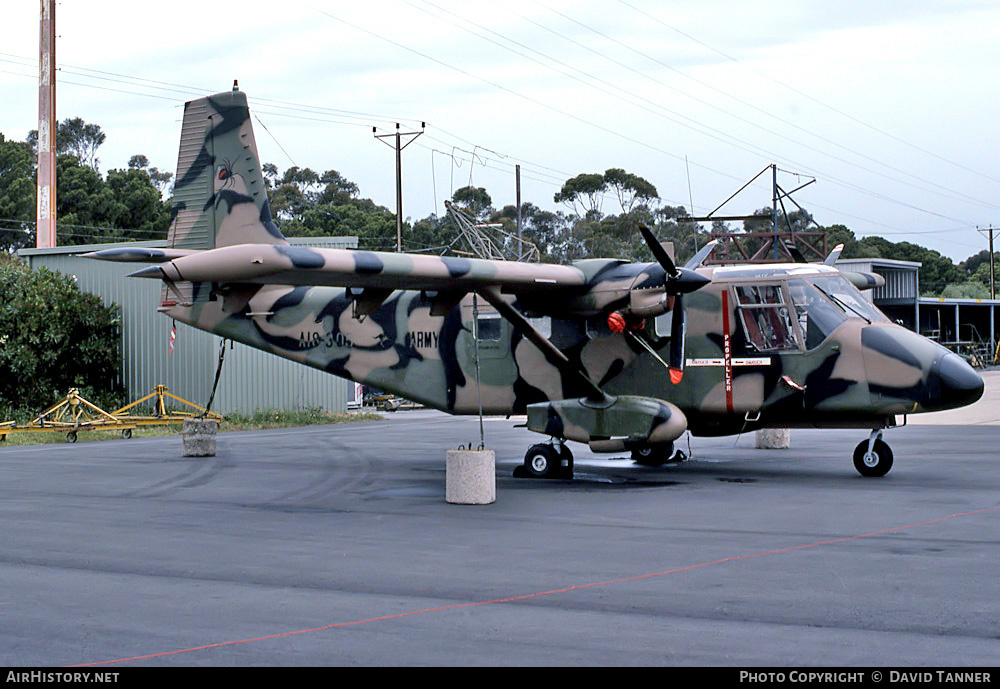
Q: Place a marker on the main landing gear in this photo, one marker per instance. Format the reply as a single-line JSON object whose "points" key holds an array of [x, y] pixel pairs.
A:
{"points": [[658, 455], [873, 457], [547, 460]]}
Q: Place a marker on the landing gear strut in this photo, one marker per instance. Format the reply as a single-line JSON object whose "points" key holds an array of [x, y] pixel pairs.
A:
{"points": [[872, 457], [547, 460], [657, 455]]}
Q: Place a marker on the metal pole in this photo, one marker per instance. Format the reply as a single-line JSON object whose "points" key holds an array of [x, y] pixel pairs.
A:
{"points": [[45, 213], [399, 146], [399, 194], [774, 207], [517, 180], [479, 389], [993, 288]]}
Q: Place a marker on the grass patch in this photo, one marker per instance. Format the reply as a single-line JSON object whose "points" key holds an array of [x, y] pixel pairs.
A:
{"points": [[263, 419], [259, 420]]}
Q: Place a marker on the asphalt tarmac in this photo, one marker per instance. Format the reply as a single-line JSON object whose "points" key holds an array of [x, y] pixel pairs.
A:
{"points": [[334, 545]]}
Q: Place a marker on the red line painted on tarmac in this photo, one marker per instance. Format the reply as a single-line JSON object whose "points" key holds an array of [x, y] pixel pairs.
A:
{"points": [[553, 592]]}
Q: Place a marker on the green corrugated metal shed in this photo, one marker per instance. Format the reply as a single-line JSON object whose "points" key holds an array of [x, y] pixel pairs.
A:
{"points": [[251, 379]]}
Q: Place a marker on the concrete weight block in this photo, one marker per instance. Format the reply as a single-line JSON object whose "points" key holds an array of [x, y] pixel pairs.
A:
{"points": [[471, 477], [199, 437]]}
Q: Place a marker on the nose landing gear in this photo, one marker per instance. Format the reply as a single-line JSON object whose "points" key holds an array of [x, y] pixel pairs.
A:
{"points": [[872, 457]]}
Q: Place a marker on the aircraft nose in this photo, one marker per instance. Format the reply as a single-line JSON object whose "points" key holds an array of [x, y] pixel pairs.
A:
{"points": [[959, 383]]}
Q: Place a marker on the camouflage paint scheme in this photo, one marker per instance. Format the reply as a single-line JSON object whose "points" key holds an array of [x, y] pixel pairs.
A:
{"points": [[405, 323]]}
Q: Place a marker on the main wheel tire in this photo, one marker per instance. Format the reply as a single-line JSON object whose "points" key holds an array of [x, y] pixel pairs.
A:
{"points": [[653, 455], [875, 463], [565, 462], [542, 461]]}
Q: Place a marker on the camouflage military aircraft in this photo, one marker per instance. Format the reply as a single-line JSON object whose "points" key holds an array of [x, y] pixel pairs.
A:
{"points": [[620, 356]]}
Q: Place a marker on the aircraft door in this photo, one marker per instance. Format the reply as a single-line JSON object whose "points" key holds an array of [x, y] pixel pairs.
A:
{"points": [[765, 317]]}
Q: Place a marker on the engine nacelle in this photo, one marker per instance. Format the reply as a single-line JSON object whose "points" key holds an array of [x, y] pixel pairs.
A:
{"points": [[610, 425]]}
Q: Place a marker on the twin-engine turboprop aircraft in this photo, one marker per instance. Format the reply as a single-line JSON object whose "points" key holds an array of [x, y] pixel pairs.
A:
{"points": [[620, 356]]}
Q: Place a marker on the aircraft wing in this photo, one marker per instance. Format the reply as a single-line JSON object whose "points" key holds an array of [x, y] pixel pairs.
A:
{"points": [[291, 265]]}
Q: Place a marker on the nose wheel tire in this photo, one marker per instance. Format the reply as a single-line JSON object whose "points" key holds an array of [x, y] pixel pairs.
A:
{"points": [[874, 463]]}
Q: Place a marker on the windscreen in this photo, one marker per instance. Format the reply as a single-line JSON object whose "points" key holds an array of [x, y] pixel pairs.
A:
{"points": [[847, 296], [817, 316]]}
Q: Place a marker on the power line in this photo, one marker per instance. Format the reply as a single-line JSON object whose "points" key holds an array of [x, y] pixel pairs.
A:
{"points": [[952, 193], [806, 95], [326, 115]]}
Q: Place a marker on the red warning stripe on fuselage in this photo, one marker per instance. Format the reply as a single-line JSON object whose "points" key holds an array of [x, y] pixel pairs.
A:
{"points": [[727, 351]]}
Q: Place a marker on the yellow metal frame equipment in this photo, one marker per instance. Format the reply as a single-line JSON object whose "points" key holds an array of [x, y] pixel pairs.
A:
{"points": [[74, 413], [161, 415]]}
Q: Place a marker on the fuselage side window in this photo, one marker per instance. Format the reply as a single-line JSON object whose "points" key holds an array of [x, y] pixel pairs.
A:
{"points": [[489, 326], [542, 325]]}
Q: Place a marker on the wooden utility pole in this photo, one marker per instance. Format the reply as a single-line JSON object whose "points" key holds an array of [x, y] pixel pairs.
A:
{"points": [[45, 214], [399, 146], [988, 232]]}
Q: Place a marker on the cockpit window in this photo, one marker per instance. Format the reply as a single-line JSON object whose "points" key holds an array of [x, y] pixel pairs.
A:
{"points": [[847, 297], [816, 315], [766, 318]]}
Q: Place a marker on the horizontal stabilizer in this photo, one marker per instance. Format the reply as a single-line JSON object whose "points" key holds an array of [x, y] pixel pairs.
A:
{"points": [[139, 254]]}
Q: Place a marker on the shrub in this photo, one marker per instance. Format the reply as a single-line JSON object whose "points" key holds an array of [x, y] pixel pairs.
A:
{"points": [[54, 337]]}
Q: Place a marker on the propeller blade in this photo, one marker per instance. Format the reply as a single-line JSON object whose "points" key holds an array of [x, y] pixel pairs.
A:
{"points": [[834, 255], [678, 331], [794, 252], [695, 261], [659, 253]]}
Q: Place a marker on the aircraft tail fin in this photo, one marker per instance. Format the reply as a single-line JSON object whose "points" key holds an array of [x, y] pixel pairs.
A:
{"points": [[220, 198]]}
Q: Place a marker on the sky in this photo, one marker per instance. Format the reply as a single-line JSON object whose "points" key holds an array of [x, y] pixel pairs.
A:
{"points": [[890, 106]]}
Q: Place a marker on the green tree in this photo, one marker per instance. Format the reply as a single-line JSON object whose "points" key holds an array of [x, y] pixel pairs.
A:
{"points": [[74, 137], [161, 180], [126, 206], [85, 206], [475, 200], [971, 289], [53, 337], [840, 234], [936, 271], [17, 195], [337, 189], [629, 189], [295, 193], [139, 205], [546, 230], [583, 192]]}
